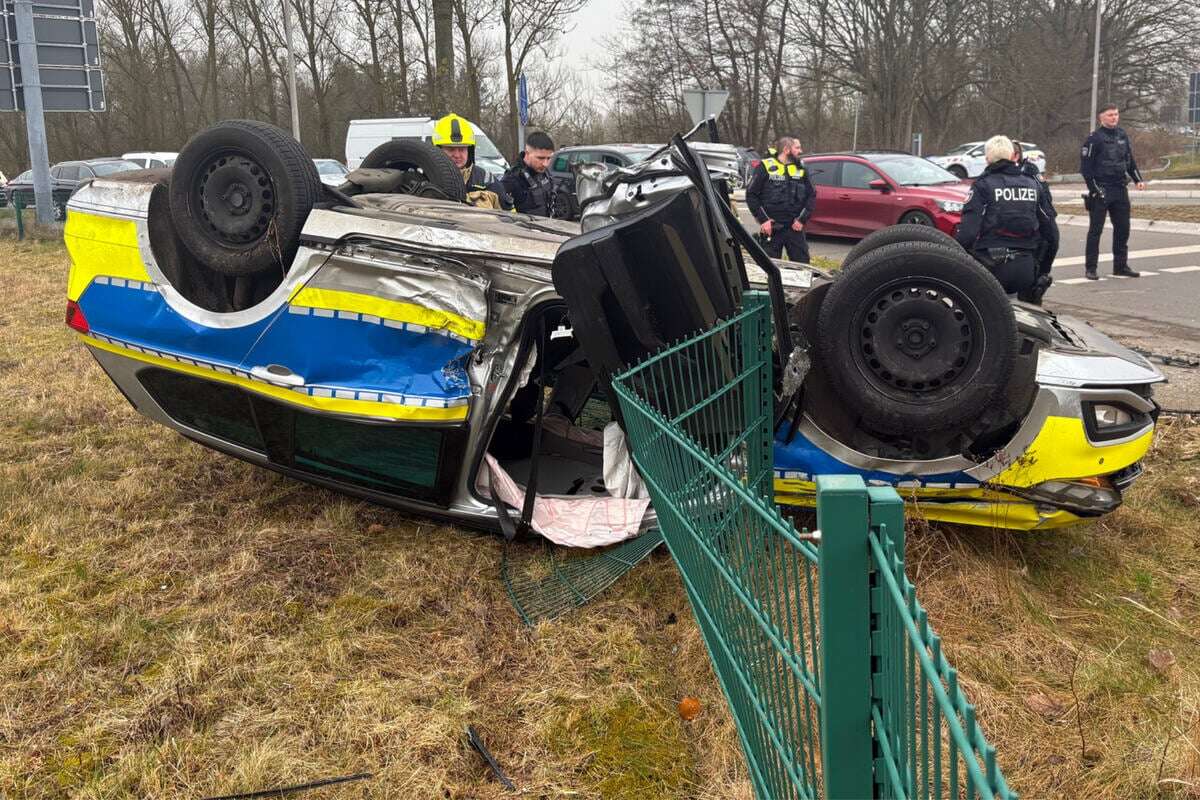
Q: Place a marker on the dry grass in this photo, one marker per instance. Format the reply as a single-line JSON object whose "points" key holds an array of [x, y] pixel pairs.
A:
{"points": [[1171, 213], [175, 623]]}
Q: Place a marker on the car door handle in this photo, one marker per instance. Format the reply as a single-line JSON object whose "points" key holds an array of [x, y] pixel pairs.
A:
{"points": [[843, 197], [277, 374]]}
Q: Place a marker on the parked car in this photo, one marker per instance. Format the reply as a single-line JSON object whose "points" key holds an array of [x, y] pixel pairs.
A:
{"points": [[331, 171], [967, 160], [152, 159], [861, 192], [400, 348], [65, 178], [564, 166], [364, 135]]}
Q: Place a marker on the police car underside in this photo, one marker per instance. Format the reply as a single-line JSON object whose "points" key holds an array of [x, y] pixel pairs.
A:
{"points": [[415, 351]]}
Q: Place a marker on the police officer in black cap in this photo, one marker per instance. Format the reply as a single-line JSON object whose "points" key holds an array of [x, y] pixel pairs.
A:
{"points": [[781, 197], [527, 186], [1008, 224], [1107, 165]]}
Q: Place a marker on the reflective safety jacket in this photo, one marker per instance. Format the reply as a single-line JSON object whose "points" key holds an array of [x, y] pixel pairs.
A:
{"points": [[1106, 159], [1007, 208], [780, 192]]}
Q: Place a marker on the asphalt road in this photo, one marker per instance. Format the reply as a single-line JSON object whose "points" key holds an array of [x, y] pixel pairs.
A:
{"points": [[1159, 312]]}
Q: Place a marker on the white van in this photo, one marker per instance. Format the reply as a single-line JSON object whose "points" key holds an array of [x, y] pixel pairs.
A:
{"points": [[364, 135]]}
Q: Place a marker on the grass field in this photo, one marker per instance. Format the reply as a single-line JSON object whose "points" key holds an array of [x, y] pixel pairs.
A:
{"points": [[177, 624]]}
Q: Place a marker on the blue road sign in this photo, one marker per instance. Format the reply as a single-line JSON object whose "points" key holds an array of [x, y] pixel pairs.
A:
{"points": [[523, 99]]}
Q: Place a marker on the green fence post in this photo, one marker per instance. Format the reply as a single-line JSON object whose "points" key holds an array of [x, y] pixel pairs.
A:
{"points": [[887, 512], [846, 750]]}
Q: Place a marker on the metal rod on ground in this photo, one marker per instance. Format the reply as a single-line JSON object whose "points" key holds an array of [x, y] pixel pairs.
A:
{"points": [[291, 63], [35, 118], [1096, 65]]}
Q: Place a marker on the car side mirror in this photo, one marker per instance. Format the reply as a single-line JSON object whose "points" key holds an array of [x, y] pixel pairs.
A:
{"points": [[880, 185]]}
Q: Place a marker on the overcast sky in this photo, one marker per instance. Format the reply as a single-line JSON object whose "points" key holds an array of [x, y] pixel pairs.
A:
{"points": [[584, 46]]}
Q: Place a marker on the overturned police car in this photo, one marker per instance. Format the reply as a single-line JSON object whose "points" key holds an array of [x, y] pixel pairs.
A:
{"points": [[388, 341]]}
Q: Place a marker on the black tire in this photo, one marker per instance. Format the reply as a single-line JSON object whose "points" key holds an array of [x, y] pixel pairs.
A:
{"points": [[894, 234], [958, 171], [915, 218], [917, 337], [430, 161], [240, 193]]}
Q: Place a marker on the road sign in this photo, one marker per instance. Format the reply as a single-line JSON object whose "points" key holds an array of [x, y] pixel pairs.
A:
{"points": [[68, 56], [523, 99], [1193, 106], [704, 103]]}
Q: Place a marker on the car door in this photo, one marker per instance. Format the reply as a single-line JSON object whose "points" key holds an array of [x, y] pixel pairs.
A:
{"points": [[824, 178], [975, 162], [861, 207], [371, 359]]}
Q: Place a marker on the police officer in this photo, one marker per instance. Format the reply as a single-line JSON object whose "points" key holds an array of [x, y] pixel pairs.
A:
{"points": [[455, 136], [1005, 221], [781, 198], [1106, 163], [527, 186], [1047, 250]]}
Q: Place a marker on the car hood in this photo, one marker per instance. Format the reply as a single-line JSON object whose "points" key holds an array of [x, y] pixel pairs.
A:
{"points": [[1076, 354]]}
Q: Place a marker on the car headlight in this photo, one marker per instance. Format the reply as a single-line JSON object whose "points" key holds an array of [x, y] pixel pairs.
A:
{"points": [[950, 206], [1107, 421], [1110, 416]]}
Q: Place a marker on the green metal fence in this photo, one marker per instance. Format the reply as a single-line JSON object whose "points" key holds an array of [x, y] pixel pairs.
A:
{"points": [[836, 683]]}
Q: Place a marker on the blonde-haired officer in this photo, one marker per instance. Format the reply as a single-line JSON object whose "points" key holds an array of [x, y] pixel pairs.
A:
{"points": [[455, 136], [1008, 224]]}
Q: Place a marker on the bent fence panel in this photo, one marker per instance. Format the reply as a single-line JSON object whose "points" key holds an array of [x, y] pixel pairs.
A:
{"points": [[836, 683]]}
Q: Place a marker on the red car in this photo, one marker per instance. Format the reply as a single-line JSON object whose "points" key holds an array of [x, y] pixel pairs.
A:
{"points": [[861, 192]]}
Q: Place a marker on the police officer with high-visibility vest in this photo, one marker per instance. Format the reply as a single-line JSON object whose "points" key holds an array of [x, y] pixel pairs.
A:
{"points": [[1008, 224], [456, 138], [781, 197], [1107, 165]]}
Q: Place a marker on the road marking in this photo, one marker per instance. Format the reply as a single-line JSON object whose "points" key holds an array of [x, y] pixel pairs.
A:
{"points": [[1073, 280], [1157, 253], [1180, 269]]}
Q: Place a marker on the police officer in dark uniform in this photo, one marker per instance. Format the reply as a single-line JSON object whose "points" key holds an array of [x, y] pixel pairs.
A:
{"points": [[527, 187], [1005, 222], [1048, 249], [781, 198], [1106, 163]]}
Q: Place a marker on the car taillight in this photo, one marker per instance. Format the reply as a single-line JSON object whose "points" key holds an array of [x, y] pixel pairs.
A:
{"points": [[75, 318]]}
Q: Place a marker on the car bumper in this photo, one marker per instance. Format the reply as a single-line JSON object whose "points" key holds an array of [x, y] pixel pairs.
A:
{"points": [[946, 221]]}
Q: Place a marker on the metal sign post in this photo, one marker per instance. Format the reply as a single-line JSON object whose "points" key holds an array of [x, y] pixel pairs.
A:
{"points": [[917, 141], [291, 64], [1092, 123], [35, 119], [522, 110], [704, 103]]}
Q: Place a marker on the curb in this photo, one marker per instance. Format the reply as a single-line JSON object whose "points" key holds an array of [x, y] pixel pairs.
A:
{"points": [[1159, 194], [1159, 225]]}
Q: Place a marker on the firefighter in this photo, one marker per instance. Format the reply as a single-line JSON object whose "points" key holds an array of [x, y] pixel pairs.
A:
{"points": [[1008, 224], [1107, 165], [456, 138], [527, 186], [781, 198]]}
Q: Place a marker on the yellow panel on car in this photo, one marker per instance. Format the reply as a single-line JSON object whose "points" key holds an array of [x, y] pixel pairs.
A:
{"points": [[101, 246], [1062, 451]]}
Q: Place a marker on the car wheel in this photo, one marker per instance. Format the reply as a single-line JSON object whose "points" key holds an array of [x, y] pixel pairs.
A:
{"points": [[917, 337], [434, 166], [240, 193], [916, 218], [957, 171], [894, 234]]}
